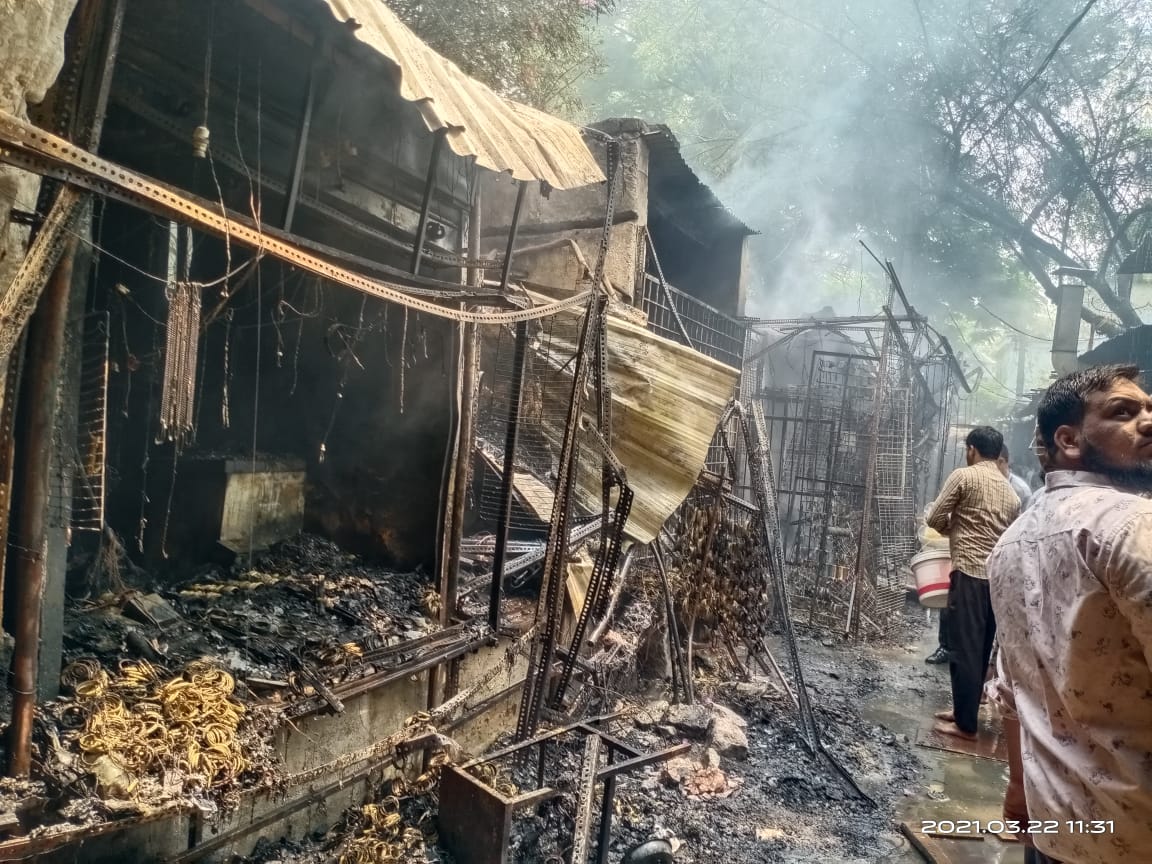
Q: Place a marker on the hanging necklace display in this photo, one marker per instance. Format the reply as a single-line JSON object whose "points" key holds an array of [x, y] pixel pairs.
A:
{"points": [[178, 391]]}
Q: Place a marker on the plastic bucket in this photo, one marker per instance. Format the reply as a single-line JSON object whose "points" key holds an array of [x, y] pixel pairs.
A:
{"points": [[932, 569]]}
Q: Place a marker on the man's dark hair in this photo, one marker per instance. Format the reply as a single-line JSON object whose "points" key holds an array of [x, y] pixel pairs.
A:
{"points": [[1004, 453], [1064, 401], [987, 441]]}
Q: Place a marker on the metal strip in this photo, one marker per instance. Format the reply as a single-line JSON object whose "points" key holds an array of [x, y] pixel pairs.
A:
{"points": [[586, 798], [515, 403], [27, 146], [667, 294], [549, 606], [426, 202], [19, 301], [598, 587]]}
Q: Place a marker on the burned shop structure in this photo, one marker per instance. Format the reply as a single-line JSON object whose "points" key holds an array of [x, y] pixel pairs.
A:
{"points": [[277, 402], [358, 421], [861, 413]]}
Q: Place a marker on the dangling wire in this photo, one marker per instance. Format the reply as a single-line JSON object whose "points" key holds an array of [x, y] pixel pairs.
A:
{"points": [[277, 320], [225, 418], [403, 356], [255, 408]]}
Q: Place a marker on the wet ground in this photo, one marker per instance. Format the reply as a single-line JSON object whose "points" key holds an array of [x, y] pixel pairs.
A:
{"points": [[954, 786]]}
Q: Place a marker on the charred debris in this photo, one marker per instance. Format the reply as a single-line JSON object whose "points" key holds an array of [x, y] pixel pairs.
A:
{"points": [[367, 446]]}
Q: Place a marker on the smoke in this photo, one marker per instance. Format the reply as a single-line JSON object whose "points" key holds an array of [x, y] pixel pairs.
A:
{"points": [[823, 124]]}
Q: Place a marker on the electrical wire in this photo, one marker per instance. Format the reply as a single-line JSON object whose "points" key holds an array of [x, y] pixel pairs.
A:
{"points": [[1009, 325], [976, 357], [94, 245]]}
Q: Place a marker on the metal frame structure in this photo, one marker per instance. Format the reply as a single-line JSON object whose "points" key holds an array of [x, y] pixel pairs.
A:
{"points": [[476, 820], [682, 318], [855, 450]]}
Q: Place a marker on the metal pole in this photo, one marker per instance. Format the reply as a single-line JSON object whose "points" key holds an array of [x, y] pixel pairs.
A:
{"points": [[99, 106], [834, 433], [678, 665], [606, 805], [465, 438], [426, 204], [297, 174], [8, 453], [45, 350], [512, 435], [852, 626], [45, 343], [506, 270], [515, 399]]}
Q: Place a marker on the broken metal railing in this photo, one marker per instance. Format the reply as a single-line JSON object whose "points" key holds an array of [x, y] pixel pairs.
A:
{"points": [[664, 288], [92, 425], [708, 330], [476, 820]]}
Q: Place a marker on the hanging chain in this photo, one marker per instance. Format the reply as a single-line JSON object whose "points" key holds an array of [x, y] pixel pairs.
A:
{"points": [[225, 417], [178, 390]]}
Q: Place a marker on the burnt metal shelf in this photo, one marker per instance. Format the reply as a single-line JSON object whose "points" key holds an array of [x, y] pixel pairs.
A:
{"points": [[476, 820]]}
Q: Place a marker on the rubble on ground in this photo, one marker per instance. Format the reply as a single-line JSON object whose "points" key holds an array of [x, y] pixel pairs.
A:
{"points": [[779, 804], [173, 695]]}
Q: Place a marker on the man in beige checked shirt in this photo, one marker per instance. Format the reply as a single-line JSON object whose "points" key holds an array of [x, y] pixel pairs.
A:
{"points": [[1071, 587], [973, 509]]}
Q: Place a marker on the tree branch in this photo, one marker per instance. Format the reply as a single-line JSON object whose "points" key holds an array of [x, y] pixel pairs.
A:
{"points": [[1072, 148], [1103, 325], [982, 206]]}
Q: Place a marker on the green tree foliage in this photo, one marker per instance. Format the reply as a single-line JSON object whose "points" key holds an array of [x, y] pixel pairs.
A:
{"points": [[535, 51], [919, 124]]}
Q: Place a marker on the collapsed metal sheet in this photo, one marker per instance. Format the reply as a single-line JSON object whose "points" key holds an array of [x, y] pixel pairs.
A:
{"points": [[666, 402], [503, 135]]}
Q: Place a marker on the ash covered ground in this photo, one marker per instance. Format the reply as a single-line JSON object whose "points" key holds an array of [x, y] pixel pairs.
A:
{"points": [[304, 616], [777, 803]]}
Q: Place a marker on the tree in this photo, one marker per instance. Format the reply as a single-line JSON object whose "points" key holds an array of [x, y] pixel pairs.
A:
{"points": [[951, 134], [535, 51]]}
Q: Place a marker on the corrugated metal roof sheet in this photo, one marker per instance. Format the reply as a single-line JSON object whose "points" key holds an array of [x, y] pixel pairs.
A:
{"points": [[671, 177], [503, 135]]}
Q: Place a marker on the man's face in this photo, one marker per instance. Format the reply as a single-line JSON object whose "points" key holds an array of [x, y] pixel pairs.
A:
{"points": [[1115, 438]]}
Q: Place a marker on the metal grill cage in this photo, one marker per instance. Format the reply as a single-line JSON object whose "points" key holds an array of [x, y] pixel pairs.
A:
{"points": [[853, 448], [706, 329], [547, 389]]}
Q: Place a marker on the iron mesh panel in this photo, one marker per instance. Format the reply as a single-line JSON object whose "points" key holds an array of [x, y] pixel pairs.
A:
{"points": [[821, 444], [711, 332], [547, 388]]}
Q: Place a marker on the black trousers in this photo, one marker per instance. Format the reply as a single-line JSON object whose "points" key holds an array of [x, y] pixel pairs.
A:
{"points": [[943, 637], [971, 632]]}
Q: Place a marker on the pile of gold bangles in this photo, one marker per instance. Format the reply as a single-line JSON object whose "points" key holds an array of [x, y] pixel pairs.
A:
{"points": [[385, 839], [146, 725]]}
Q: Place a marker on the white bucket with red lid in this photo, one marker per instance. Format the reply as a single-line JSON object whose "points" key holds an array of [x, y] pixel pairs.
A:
{"points": [[932, 570]]}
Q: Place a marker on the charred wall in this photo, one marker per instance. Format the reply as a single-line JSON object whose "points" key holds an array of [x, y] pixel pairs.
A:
{"points": [[289, 367]]}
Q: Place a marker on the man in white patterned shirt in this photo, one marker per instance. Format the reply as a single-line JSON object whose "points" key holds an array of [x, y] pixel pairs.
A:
{"points": [[1071, 585]]}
